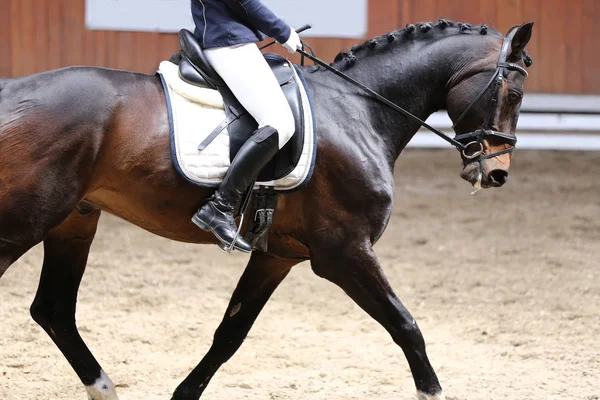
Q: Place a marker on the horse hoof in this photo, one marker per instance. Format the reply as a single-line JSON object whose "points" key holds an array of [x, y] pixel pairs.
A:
{"points": [[102, 389], [425, 396]]}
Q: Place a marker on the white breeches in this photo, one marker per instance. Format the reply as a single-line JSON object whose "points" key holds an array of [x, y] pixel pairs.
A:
{"points": [[251, 80]]}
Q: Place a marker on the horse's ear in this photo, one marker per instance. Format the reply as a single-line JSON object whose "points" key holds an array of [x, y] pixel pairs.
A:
{"points": [[519, 41]]}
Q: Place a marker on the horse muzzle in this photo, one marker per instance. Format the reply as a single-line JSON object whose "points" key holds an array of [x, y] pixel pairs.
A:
{"points": [[482, 174]]}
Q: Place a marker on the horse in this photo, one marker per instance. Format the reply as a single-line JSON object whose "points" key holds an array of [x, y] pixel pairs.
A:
{"points": [[81, 140]]}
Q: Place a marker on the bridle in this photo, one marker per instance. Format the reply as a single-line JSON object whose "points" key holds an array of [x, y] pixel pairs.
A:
{"points": [[470, 145], [472, 142]]}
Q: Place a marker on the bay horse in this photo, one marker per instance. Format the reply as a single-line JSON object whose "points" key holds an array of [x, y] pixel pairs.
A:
{"points": [[79, 140]]}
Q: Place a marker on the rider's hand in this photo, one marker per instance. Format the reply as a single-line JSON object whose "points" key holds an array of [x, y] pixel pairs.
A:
{"points": [[293, 43]]}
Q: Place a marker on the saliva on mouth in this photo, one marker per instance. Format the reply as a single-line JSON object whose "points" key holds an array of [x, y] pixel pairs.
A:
{"points": [[477, 184]]}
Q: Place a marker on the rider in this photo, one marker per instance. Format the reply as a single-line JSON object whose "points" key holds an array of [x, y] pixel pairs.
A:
{"points": [[227, 31]]}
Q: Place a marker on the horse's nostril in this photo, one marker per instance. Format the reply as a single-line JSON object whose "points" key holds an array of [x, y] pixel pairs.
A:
{"points": [[499, 177]]}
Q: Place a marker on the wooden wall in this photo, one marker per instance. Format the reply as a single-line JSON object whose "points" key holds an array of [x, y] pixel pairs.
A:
{"points": [[565, 46], [37, 35]]}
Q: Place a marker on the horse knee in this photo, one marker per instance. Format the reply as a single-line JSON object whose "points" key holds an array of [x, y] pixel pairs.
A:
{"points": [[49, 314]]}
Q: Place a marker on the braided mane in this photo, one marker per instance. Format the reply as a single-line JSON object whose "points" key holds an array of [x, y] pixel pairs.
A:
{"points": [[419, 31]]}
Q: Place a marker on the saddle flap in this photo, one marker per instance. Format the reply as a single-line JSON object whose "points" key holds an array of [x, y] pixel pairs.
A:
{"points": [[192, 120], [195, 69], [282, 68]]}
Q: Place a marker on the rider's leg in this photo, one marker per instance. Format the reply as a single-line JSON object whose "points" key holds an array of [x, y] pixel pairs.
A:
{"points": [[253, 83], [251, 80]]}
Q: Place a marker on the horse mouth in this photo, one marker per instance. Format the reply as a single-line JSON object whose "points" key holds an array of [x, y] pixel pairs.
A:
{"points": [[472, 173], [481, 178]]}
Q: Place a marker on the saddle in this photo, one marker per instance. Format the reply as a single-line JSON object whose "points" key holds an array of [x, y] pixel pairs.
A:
{"points": [[195, 69]]}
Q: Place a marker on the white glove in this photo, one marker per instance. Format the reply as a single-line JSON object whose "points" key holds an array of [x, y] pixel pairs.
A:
{"points": [[293, 43]]}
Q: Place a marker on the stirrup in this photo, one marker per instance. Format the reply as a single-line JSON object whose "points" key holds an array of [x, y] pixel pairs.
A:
{"points": [[242, 210], [231, 247]]}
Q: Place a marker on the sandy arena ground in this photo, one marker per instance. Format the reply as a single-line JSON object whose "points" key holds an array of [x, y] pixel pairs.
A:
{"points": [[504, 284]]}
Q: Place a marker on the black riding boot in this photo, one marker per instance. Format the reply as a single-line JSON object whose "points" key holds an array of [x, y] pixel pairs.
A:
{"points": [[216, 215]]}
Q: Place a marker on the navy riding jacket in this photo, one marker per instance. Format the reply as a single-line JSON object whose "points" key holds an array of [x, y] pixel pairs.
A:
{"points": [[228, 22]]}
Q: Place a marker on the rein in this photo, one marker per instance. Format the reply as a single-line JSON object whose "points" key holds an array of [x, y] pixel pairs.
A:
{"points": [[383, 100], [473, 149]]}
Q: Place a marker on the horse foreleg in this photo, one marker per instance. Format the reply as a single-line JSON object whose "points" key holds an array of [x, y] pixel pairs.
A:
{"points": [[260, 279], [355, 269], [66, 251]]}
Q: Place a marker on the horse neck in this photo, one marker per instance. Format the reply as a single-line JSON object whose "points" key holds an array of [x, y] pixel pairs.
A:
{"points": [[413, 75]]}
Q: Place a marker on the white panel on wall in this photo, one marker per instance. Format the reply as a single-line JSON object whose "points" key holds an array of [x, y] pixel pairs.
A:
{"points": [[329, 18]]}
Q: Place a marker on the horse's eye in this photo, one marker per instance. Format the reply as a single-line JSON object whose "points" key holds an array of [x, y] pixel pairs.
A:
{"points": [[514, 97]]}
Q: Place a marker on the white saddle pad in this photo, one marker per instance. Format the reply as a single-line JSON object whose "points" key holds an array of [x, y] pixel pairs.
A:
{"points": [[195, 112]]}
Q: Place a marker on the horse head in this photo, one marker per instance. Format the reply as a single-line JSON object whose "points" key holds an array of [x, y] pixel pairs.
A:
{"points": [[485, 120]]}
